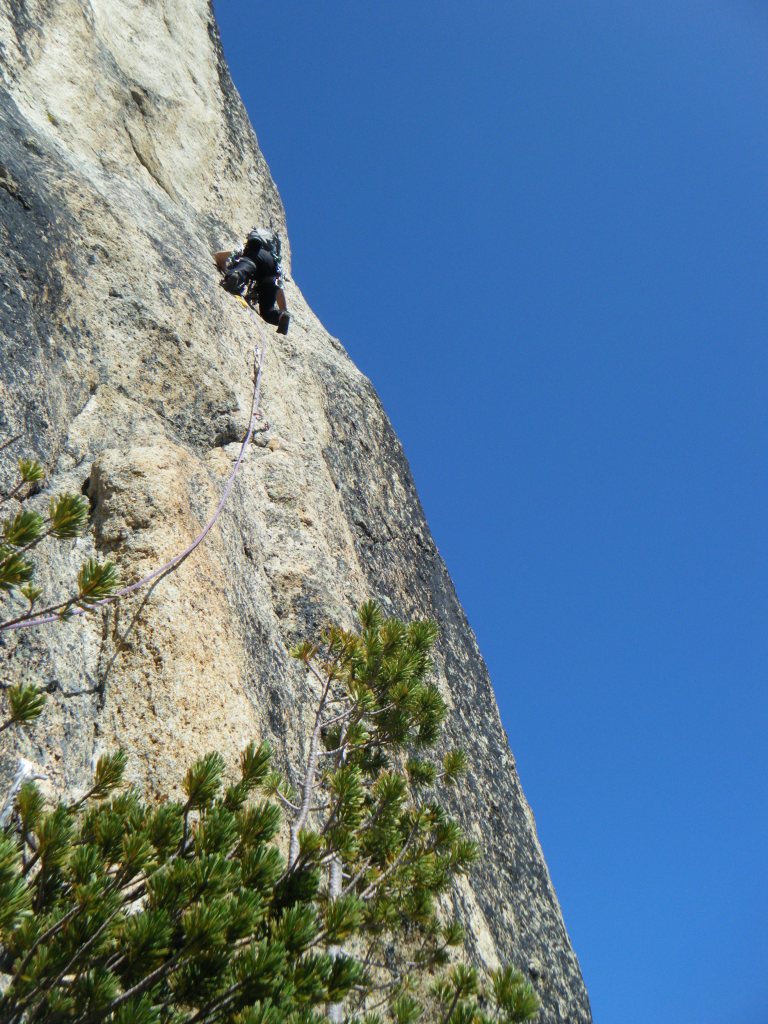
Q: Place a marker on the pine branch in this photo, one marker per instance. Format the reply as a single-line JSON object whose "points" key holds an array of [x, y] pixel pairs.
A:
{"points": [[376, 883], [387, 987], [25, 773], [42, 988], [351, 748], [59, 609], [309, 777], [48, 934], [344, 716], [138, 989], [216, 1005], [452, 1007], [354, 879], [286, 802], [34, 542]]}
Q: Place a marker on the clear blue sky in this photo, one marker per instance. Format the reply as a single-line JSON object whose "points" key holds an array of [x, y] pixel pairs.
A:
{"points": [[564, 209]]}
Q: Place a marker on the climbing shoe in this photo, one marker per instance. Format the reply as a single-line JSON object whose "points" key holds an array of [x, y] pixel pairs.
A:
{"points": [[283, 322]]}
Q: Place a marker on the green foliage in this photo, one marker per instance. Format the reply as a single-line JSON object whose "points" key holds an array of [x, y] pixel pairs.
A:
{"points": [[25, 704], [368, 814], [116, 910], [21, 533], [24, 528], [95, 581], [203, 781], [16, 897], [30, 471], [513, 995], [120, 911], [31, 592], [68, 515], [29, 807], [510, 998], [15, 569], [110, 769], [343, 918], [405, 1010], [454, 766]]}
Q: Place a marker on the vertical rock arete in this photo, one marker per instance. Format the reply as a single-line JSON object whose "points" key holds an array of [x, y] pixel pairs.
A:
{"points": [[127, 158]]}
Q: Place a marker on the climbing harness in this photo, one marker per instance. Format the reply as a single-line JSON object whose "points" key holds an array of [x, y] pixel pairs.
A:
{"points": [[175, 562]]}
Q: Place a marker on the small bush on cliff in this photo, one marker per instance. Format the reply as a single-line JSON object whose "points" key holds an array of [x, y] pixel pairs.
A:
{"points": [[21, 533], [120, 911]]}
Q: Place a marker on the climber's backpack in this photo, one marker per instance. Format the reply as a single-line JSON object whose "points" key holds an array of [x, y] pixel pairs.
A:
{"points": [[239, 271], [263, 238]]}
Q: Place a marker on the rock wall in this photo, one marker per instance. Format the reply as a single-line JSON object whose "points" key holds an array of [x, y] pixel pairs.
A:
{"points": [[126, 158]]}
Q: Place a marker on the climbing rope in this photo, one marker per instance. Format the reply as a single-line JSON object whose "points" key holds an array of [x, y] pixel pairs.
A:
{"points": [[175, 562]]}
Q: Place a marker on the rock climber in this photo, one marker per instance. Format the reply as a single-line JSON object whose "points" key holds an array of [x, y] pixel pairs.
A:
{"points": [[255, 272]]}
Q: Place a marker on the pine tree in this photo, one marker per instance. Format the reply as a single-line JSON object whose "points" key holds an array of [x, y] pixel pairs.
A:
{"points": [[365, 814], [120, 911]]}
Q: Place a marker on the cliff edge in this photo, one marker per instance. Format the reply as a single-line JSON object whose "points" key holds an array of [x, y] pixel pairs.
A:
{"points": [[127, 157]]}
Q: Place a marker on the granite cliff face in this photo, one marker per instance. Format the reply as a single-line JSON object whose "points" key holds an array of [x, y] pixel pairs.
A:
{"points": [[126, 158]]}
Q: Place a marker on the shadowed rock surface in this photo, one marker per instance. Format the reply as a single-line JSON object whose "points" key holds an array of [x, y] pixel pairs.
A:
{"points": [[126, 158]]}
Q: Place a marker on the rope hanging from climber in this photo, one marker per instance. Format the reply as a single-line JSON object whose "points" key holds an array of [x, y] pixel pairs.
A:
{"points": [[176, 560]]}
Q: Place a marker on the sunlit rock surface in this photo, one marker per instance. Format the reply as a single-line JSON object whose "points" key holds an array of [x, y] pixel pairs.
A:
{"points": [[126, 158]]}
